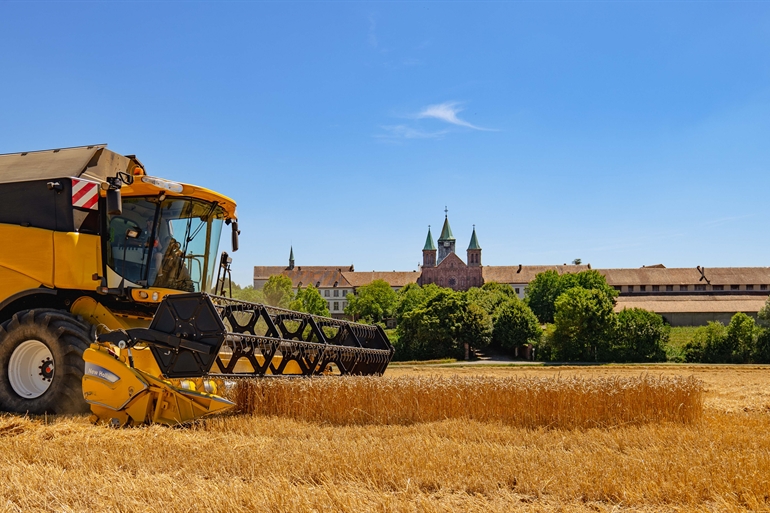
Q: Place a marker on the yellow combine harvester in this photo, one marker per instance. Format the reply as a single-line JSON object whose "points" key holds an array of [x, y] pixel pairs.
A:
{"points": [[108, 297]]}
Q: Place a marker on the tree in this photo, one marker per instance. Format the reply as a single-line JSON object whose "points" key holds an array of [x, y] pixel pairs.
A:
{"points": [[491, 296], [741, 338], [249, 294], [542, 293], [577, 261], [474, 330], [515, 325], [707, 344], [412, 297], [762, 348], [638, 336], [442, 327], [738, 342], [763, 317], [277, 291], [309, 300], [549, 285], [583, 321], [373, 302]]}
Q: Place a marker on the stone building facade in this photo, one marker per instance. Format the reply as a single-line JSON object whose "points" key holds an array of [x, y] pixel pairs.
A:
{"points": [[443, 267]]}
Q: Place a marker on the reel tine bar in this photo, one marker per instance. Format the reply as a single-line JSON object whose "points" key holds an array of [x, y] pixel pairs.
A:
{"points": [[313, 342]]}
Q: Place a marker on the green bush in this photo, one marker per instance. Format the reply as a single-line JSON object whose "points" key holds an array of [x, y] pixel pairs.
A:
{"points": [[741, 341], [637, 336], [545, 289], [583, 324], [515, 325], [442, 327]]}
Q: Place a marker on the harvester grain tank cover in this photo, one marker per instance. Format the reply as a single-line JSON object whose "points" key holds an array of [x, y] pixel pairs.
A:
{"points": [[58, 182]]}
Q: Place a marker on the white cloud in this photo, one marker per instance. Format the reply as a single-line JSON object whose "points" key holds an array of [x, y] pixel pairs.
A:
{"points": [[447, 112]]}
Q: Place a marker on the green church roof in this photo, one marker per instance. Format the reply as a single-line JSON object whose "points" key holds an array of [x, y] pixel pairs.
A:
{"points": [[474, 241], [291, 253], [429, 246], [446, 231]]}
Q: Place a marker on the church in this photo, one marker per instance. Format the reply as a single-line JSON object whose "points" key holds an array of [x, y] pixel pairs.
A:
{"points": [[443, 267]]}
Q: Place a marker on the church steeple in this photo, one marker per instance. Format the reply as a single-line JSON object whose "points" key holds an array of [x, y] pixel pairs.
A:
{"points": [[474, 250], [429, 251], [446, 243], [429, 246], [291, 258]]}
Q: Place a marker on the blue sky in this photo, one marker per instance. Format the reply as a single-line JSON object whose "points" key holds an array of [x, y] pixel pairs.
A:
{"points": [[621, 133]]}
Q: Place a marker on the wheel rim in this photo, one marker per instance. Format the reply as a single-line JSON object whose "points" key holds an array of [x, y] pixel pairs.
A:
{"points": [[30, 369]]}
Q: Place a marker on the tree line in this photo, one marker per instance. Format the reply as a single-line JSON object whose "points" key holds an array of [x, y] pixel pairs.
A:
{"points": [[278, 292], [568, 317]]}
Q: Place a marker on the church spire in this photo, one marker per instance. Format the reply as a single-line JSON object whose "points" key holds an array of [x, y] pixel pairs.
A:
{"points": [[474, 250], [291, 258], [446, 243], [429, 251], [446, 231], [429, 246], [474, 240]]}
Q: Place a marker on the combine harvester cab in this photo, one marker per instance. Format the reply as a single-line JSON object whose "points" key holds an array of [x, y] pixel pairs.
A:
{"points": [[96, 248]]}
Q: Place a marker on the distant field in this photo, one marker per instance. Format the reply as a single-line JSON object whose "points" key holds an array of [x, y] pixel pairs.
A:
{"points": [[251, 463], [678, 337]]}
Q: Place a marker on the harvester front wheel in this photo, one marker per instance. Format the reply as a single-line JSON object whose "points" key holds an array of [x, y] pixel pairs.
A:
{"points": [[41, 362]]}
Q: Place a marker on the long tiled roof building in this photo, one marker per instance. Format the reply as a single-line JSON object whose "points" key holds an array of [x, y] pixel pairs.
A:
{"points": [[683, 296]]}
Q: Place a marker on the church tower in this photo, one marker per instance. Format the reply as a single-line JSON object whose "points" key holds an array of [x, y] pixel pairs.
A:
{"points": [[429, 252], [291, 258], [474, 251], [446, 243]]}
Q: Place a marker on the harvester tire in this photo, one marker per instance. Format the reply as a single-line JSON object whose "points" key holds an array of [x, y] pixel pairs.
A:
{"points": [[41, 362]]}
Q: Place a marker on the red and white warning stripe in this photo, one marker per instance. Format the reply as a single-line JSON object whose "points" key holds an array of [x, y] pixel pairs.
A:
{"points": [[85, 194]]}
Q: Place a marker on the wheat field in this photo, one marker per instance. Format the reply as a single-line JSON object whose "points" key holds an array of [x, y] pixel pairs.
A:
{"points": [[530, 402], [719, 462]]}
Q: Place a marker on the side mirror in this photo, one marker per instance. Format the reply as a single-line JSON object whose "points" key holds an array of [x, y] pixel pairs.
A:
{"points": [[236, 232], [114, 202], [125, 178]]}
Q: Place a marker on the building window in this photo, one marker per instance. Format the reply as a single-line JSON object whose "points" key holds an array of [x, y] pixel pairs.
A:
{"points": [[735, 287], [763, 287], [330, 305], [336, 293], [642, 288], [517, 290], [669, 288], [656, 288], [336, 305], [700, 287], [452, 282], [630, 288], [618, 288], [326, 293], [718, 287], [682, 288], [749, 287], [344, 293]]}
